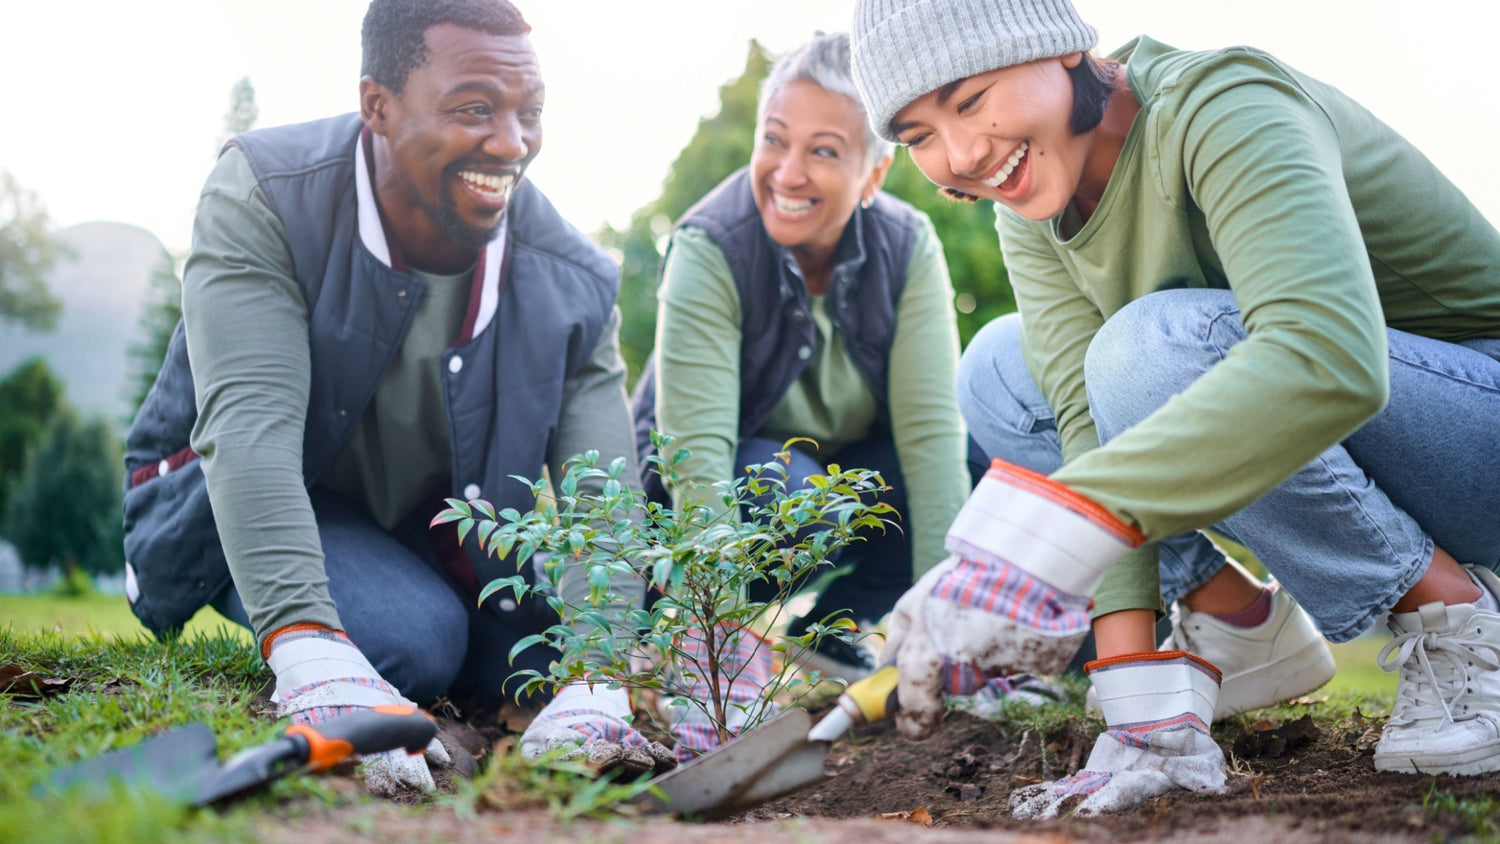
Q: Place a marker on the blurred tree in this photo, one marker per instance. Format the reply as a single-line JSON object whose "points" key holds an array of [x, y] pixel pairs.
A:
{"points": [[721, 145], [30, 396], [980, 284], [65, 509], [242, 112], [27, 255], [159, 317], [163, 307]]}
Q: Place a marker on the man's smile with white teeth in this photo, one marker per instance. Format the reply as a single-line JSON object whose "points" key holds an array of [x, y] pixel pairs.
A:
{"points": [[1009, 167], [486, 183], [787, 205]]}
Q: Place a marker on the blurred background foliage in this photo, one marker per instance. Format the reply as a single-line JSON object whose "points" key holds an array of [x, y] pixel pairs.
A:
{"points": [[720, 146]]}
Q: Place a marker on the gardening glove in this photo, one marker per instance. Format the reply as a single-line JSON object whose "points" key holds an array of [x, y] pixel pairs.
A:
{"points": [[321, 675], [593, 724], [745, 671], [1157, 707], [1026, 554]]}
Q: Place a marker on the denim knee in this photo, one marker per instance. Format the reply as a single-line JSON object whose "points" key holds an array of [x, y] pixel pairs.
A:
{"points": [[1003, 408], [420, 657], [1152, 349]]}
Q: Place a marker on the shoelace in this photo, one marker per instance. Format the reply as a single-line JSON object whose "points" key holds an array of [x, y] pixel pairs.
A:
{"points": [[1455, 648]]}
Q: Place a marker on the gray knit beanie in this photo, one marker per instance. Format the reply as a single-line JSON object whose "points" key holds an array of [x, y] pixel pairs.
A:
{"points": [[904, 48]]}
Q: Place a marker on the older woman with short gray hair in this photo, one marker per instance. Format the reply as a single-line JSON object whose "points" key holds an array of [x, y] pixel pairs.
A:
{"points": [[798, 301]]}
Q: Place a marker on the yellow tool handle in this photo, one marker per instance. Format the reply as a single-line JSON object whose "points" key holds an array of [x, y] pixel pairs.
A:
{"points": [[875, 696]]}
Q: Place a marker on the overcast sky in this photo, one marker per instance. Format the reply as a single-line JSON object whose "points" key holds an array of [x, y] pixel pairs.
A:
{"points": [[112, 110]]}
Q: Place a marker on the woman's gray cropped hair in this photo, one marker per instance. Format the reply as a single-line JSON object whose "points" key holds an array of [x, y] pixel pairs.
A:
{"points": [[823, 61]]}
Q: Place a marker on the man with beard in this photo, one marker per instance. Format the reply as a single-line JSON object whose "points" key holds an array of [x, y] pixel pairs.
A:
{"points": [[380, 313]]}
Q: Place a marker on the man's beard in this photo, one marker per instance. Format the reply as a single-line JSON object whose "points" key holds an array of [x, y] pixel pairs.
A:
{"points": [[445, 213]]}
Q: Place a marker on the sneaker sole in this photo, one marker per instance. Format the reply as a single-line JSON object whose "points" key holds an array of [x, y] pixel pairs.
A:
{"points": [[1297, 674], [1483, 759]]}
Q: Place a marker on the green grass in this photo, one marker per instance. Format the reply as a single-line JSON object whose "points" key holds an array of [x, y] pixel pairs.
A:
{"points": [[128, 687], [125, 689], [1358, 670], [96, 613]]}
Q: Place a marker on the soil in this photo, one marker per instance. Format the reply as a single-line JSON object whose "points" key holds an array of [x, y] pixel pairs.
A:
{"points": [[1298, 781]]}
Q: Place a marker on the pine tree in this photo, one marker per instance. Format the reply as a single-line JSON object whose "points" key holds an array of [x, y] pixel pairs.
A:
{"points": [[65, 509], [30, 396], [242, 112], [163, 308], [27, 255]]}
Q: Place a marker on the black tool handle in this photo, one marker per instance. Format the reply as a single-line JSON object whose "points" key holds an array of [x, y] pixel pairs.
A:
{"points": [[364, 731]]}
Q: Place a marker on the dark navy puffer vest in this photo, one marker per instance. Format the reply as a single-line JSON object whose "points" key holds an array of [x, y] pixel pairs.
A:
{"points": [[779, 335], [502, 405]]}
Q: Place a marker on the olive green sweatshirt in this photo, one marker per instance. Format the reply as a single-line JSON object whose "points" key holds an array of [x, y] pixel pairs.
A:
{"points": [[246, 325], [698, 335], [1241, 173]]}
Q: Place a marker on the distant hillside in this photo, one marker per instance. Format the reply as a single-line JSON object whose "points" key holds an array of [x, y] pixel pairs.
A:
{"points": [[101, 286]]}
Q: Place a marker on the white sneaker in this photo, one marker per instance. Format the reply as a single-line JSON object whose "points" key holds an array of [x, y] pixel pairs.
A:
{"points": [[1279, 659], [1447, 714]]}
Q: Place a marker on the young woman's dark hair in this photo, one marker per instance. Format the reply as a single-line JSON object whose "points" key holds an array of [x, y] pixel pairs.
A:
{"points": [[1093, 83]]}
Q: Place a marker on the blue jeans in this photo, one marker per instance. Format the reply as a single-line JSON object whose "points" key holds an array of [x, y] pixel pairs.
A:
{"points": [[407, 617], [1349, 533], [872, 573]]}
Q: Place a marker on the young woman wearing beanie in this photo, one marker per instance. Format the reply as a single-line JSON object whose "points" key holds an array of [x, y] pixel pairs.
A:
{"points": [[1245, 304]]}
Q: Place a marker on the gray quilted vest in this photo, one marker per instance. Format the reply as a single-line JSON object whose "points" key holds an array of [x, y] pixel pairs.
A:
{"points": [[503, 405], [870, 265]]}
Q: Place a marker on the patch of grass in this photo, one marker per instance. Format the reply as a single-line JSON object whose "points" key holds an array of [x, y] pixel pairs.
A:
{"points": [[1480, 813], [95, 612], [125, 689]]}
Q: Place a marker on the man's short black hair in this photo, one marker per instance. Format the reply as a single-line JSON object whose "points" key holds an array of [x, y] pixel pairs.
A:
{"points": [[394, 36], [1093, 84]]}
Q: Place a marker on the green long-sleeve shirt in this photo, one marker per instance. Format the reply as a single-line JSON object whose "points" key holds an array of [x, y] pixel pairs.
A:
{"points": [[698, 336], [247, 325], [1327, 225]]}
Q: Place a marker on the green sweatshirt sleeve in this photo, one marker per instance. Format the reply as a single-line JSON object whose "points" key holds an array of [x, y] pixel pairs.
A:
{"points": [[1058, 324], [698, 364], [246, 324], [1263, 164], [931, 442], [596, 415]]}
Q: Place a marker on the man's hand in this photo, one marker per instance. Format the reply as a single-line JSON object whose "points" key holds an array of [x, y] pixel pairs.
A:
{"points": [[1027, 554], [320, 675], [593, 724], [1157, 707]]}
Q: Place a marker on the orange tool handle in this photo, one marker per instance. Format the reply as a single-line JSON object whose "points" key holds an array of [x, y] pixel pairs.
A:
{"points": [[365, 731]]}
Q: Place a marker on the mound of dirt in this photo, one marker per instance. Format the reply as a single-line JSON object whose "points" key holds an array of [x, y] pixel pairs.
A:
{"points": [[1293, 780]]}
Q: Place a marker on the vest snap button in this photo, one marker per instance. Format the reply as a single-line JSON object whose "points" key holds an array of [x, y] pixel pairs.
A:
{"points": [[805, 352], [343, 412], [163, 467], [400, 294], [455, 363], [471, 491], [797, 314], [507, 605]]}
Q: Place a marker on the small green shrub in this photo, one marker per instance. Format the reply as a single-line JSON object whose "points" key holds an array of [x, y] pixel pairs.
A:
{"points": [[702, 558]]}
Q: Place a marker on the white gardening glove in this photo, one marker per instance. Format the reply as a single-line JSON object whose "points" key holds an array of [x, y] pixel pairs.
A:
{"points": [[745, 665], [1027, 554], [321, 675], [1157, 707], [593, 724]]}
